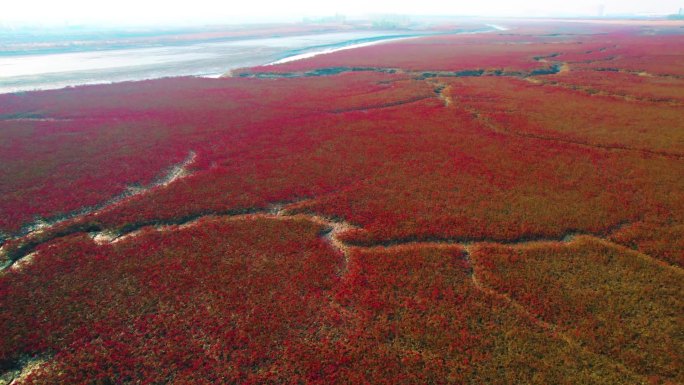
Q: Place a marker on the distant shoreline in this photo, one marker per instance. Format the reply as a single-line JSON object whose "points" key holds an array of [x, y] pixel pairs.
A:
{"points": [[351, 44], [382, 39], [204, 60]]}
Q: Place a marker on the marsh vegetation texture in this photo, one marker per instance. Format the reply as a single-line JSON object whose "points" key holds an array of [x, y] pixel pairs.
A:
{"points": [[495, 208]]}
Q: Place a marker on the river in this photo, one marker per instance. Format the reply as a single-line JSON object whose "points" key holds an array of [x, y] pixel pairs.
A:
{"points": [[211, 59]]}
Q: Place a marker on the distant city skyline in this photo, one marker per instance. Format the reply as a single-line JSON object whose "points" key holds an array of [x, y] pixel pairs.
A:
{"points": [[158, 12]]}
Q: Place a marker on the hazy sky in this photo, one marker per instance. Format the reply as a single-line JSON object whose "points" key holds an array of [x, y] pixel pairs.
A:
{"points": [[217, 11]]}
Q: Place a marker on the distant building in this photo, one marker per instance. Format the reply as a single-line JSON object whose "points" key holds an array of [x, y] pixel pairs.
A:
{"points": [[601, 10], [677, 16], [390, 21], [338, 18]]}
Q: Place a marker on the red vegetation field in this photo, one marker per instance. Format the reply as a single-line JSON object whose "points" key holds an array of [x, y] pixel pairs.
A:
{"points": [[261, 300], [400, 213], [610, 299], [217, 302]]}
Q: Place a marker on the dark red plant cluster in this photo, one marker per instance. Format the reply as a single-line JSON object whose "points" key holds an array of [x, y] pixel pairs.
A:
{"points": [[575, 116], [414, 315], [622, 85], [612, 300], [640, 53], [214, 303], [55, 168], [266, 301], [65, 150]]}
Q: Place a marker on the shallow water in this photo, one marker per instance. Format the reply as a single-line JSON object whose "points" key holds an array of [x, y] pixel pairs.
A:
{"points": [[57, 70]]}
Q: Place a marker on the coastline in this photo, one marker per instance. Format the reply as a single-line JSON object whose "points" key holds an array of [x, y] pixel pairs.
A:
{"points": [[216, 61], [308, 55], [343, 47]]}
